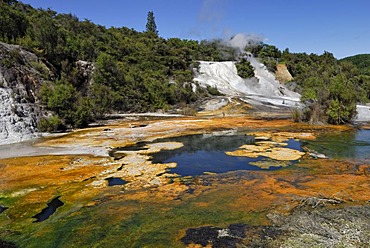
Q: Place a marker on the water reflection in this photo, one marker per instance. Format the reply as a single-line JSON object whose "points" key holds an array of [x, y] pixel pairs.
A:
{"points": [[354, 144], [206, 153], [112, 181], [49, 210]]}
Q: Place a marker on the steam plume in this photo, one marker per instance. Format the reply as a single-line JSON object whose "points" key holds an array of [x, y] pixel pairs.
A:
{"points": [[212, 11], [241, 41]]}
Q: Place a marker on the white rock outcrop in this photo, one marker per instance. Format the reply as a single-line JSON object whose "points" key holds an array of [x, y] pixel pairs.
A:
{"points": [[19, 104], [363, 113], [16, 120], [263, 88]]}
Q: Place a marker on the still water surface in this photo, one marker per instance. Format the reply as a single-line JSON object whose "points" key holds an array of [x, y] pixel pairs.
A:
{"points": [[352, 145], [206, 153]]}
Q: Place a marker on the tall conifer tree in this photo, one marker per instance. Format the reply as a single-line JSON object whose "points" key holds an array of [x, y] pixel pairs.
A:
{"points": [[151, 27]]}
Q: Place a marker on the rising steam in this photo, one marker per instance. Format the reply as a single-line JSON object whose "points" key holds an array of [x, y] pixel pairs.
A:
{"points": [[241, 41]]}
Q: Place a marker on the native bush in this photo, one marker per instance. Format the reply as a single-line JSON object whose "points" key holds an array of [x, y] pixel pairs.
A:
{"points": [[51, 124], [244, 68]]}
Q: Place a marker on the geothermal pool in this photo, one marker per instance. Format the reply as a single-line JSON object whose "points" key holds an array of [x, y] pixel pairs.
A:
{"points": [[206, 154], [227, 197], [347, 145]]}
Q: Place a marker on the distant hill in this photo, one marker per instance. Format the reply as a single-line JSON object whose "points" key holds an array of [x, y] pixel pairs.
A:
{"points": [[361, 61]]}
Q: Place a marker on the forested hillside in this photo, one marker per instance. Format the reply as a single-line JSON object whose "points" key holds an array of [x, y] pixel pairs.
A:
{"points": [[140, 71], [330, 88], [134, 71], [361, 61]]}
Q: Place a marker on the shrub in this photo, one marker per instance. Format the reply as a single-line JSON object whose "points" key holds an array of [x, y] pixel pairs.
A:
{"points": [[103, 99], [16, 56], [83, 114], [245, 69], [189, 110], [314, 113], [296, 114], [41, 68], [214, 91], [51, 124], [339, 113]]}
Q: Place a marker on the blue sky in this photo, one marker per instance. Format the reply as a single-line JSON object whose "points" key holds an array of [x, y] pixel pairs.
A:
{"points": [[341, 27]]}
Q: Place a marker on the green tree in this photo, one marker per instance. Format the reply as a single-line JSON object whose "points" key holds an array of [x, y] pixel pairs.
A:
{"points": [[83, 114], [51, 124], [151, 27], [245, 69], [13, 23], [103, 99], [108, 72]]}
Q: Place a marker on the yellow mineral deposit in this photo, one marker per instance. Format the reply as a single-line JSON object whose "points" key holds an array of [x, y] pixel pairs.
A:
{"points": [[282, 153], [282, 136], [269, 150], [156, 147], [138, 170], [267, 164]]}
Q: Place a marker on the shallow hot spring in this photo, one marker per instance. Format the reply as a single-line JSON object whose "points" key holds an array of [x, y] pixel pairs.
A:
{"points": [[206, 153]]}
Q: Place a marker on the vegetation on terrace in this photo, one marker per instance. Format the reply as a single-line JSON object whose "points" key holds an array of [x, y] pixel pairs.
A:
{"points": [[140, 71], [330, 88]]}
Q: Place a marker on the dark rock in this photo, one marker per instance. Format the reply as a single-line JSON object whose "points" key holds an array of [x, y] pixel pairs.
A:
{"points": [[238, 230], [5, 244], [207, 235], [2, 209], [236, 235]]}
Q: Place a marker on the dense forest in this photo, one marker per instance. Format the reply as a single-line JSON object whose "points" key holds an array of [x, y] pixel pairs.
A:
{"points": [[134, 71], [361, 61], [140, 71]]}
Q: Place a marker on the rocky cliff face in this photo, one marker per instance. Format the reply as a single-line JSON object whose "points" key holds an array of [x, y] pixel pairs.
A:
{"points": [[282, 73], [21, 75]]}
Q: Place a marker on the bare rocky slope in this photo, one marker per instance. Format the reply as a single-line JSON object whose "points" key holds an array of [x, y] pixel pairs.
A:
{"points": [[282, 73], [20, 80], [262, 89]]}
